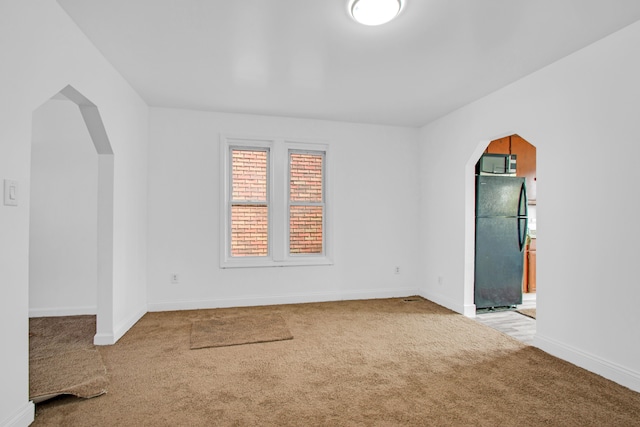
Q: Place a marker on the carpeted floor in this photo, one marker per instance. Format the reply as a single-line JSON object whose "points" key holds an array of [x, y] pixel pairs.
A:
{"points": [[237, 330], [63, 359], [365, 363]]}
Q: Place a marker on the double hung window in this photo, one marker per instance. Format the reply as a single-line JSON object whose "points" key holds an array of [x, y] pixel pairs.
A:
{"points": [[274, 207], [306, 202], [249, 202]]}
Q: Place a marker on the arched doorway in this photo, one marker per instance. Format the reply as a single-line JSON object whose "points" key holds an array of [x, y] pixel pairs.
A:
{"points": [[526, 168], [95, 228]]}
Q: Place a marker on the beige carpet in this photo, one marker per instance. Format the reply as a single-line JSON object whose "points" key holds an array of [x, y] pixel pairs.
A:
{"points": [[529, 312], [62, 358], [237, 330], [358, 363]]}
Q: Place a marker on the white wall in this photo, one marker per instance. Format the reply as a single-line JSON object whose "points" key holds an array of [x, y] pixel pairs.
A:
{"points": [[573, 111], [375, 213], [582, 115], [42, 52], [63, 224]]}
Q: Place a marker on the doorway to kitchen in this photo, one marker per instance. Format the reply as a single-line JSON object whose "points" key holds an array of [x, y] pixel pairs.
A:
{"points": [[504, 244], [526, 167]]}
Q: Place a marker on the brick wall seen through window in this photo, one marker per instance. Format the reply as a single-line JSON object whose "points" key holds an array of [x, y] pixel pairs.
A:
{"points": [[306, 203], [249, 207], [275, 202]]}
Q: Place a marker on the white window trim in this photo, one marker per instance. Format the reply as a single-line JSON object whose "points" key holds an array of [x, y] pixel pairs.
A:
{"points": [[278, 177], [296, 148]]}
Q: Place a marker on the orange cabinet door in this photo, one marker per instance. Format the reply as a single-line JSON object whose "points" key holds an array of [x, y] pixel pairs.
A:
{"points": [[532, 271], [525, 271]]}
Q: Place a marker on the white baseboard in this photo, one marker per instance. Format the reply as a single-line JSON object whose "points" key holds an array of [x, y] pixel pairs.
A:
{"points": [[123, 327], [281, 299], [62, 311], [119, 331], [590, 362], [468, 310], [104, 339], [21, 418]]}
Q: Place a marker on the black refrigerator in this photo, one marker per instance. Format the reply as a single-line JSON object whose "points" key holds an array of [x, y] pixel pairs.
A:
{"points": [[501, 233]]}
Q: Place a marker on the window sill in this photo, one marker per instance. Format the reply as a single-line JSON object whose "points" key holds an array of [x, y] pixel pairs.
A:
{"points": [[261, 263]]}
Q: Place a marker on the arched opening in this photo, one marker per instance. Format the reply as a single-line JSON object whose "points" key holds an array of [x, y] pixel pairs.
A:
{"points": [[71, 226], [520, 283]]}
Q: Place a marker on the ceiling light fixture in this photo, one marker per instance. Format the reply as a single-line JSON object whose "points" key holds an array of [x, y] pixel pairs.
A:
{"points": [[374, 12]]}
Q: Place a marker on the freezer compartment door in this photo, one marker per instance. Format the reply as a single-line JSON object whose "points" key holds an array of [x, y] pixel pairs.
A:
{"points": [[500, 196], [499, 262]]}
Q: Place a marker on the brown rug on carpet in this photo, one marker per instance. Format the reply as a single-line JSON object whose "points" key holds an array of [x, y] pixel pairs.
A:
{"points": [[237, 330], [63, 359], [529, 312]]}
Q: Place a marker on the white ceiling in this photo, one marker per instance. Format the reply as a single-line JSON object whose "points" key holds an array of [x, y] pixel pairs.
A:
{"points": [[308, 58]]}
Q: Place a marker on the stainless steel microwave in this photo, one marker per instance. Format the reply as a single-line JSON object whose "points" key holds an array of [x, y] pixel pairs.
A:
{"points": [[497, 164]]}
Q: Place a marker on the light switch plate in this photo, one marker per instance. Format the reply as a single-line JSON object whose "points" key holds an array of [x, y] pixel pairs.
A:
{"points": [[10, 192]]}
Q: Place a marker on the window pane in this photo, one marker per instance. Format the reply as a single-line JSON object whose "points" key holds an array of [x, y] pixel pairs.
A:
{"points": [[249, 229], [249, 179], [305, 229], [305, 177]]}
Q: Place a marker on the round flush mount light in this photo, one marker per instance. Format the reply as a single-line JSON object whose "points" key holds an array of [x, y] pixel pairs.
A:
{"points": [[374, 12]]}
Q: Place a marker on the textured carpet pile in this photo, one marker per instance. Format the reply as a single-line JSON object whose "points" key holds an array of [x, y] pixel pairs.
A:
{"points": [[63, 359], [237, 330], [384, 362]]}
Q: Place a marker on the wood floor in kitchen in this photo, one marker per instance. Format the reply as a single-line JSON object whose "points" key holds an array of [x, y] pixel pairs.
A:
{"points": [[512, 323]]}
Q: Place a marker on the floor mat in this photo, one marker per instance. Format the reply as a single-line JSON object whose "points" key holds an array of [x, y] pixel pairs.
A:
{"points": [[237, 330]]}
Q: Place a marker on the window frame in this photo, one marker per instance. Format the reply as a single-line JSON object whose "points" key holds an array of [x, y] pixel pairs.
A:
{"points": [[323, 204], [232, 202], [278, 174]]}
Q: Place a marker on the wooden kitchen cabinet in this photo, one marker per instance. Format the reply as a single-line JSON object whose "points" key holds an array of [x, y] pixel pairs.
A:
{"points": [[531, 267], [525, 270], [529, 270], [500, 146], [526, 158]]}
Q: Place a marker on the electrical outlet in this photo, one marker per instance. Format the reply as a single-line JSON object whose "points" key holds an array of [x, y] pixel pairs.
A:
{"points": [[396, 269], [440, 280], [175, 278]]}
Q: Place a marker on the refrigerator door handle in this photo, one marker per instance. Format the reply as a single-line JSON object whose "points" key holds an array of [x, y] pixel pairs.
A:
{"points": [[522, 206], [522, 200], [522, 232]]}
